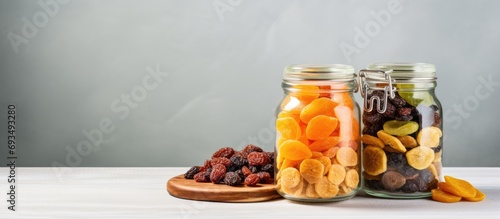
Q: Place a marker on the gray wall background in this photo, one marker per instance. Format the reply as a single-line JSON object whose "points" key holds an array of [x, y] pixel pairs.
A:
{"points": [[217, 68]]}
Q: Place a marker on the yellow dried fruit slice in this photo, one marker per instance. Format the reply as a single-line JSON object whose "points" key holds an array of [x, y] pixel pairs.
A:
{"points": [[310, 191], [320, 106], [325, 188], [326, 163], [433, 170], [320, 127], [458, 187], [284, 114], [344, 189], [374, 160], [316, 154], [290, 177], [336, 174], [347, 156], [408, 141], [311, 170], [429, 136], [352, 178], [400, 128], [288, 128], [479, 196], [278, 185], [294, 150], [290, 163], [442, 196], [296, 190], [324, 144], [391, 141], [372, 140], [420, 157]]}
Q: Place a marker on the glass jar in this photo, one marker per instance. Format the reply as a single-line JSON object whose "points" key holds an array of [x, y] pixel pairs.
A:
{"points": [[403, 132], [318, 134]]}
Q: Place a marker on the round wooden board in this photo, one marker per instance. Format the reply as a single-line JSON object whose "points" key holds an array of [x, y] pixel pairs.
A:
{"points": [[190, 189]]}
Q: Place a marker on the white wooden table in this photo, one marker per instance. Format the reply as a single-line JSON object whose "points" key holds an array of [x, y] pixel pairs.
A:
{"points": [[141, 193]]}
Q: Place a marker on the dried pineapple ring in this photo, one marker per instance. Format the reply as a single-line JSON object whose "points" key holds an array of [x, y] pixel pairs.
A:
{"points": [[337, 173], [352, 178], [420, 157], [374, 160], [347, 156], [325, 188], [429, 136], [290, 177]]}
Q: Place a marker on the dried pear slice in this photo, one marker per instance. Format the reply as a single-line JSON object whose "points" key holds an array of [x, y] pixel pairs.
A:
{"points": [[420, 157]]}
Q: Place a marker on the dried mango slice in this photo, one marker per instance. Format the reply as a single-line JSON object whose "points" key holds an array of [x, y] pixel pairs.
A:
{"points": [[288, 128], [347, 157], [400, 128], [325, 188], [294, 150], [311, 170], [320, 127], [374, 160], [352, 178], [479, 196], [458, 187], [320, 106], [429, 136], [391, 141], [442, 196], [408, 141], [326, 163], [420, 157], [290, 177], [372, 140], [336, 174], [324, 144]]}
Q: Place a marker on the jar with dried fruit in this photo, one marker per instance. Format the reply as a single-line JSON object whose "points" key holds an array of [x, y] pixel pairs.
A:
{"points": [[318, 134], [402, 136]]}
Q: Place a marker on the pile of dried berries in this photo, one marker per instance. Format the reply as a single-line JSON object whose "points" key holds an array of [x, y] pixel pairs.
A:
{"points": [[249, 166]]}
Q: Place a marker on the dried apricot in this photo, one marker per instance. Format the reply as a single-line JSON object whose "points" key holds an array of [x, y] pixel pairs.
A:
{"points": [[372, 140], [324, 144], [284, 114], [442, 196], [331, 153], [288, 128], [408, 141], [458, 187], [429, 136], [311, 170], [320, 106], [479, 197], [305, 93], [346, 156], [320, 127], [290, 163], [294, 150], [325, 188], [391, 141]]}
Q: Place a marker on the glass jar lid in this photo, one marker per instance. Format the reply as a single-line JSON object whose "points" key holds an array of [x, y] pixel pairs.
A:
{"points": [[406, 71], [336, 72]]}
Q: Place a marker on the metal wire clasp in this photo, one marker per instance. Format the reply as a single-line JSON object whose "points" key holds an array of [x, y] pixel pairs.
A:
{"points": [[377, 76]]}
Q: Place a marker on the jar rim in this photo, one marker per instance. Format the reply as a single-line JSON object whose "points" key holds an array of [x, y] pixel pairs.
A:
{"points": [[406, 70], [340, 72]]}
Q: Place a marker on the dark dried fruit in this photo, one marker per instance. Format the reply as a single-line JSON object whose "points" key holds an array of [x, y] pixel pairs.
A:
{"points": [[437, 119], [398, 101], [191, 172], [221, 160], [240, 173], [408, 171], [268, 168], [371, 118], [238, 161], [270, 155], [409, 187], [254, 169], [201, 177], [258, 159], [252, 179], [404, 111], [246, 171], [207, 164], [232, 179], [403, 118], [396, 159], [251, 148], [226, 152], [421, 185], [438, 148], [426, 175], [393, 180], [265, 177], [390, 110], [218, 173], [371, 130], [374, 184]]}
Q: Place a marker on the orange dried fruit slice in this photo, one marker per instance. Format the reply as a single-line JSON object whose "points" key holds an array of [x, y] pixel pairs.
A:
{"points": [[290, 163], [420, 157], [305, 92], [311, 170], [324, 144], [292, 104], [325, 188], [442, 196], [290, 177], [479, 196], [374, 160], [320, 106], [284, 114], [295, 191], [316, 154], [429, 136], [331, 153], [320, 127], [458, 187], [391, 141], [288, 128], [352, 178], [294, 150], [408, 141], [372, 140], [336, 174], [347, 157]]}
